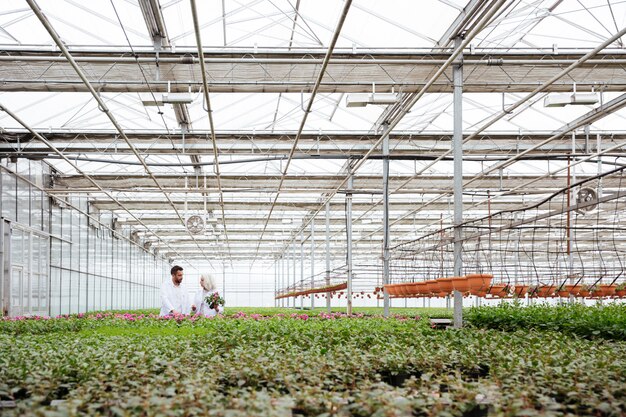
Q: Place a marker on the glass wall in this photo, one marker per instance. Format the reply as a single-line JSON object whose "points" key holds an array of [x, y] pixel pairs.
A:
{"points": [[61, 260]]}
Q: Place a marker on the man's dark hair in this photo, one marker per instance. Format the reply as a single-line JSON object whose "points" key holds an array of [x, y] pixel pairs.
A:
{"points": [[175, 269]]}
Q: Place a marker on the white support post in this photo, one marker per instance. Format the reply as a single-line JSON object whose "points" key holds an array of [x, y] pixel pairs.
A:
{"points": [[328, 307], [385, 224], [293, 257], [301, 268], [224, 280], [312, 262], [349, 241], [457, 148], [275, 282], [283, 278]]}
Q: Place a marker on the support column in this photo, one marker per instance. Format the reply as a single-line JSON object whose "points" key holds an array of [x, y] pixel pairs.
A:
{"points": [[328, 308], [293, 256], [283, 277], [301, 268], [224, 280], [275, 282], [385, 224], [457, 150], [312, 262], [349, 240]]}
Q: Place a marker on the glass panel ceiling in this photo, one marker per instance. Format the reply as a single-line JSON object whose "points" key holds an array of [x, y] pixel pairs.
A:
{"points": [[263, 60]]}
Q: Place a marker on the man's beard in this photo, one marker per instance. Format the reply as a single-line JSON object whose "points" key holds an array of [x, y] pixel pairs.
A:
{"points": [[178, 280]]}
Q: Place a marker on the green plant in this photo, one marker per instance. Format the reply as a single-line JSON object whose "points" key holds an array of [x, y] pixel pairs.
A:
{"points": [[342, 366]]}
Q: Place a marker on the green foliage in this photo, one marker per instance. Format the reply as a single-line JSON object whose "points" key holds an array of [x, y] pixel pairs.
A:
{"points": [[311, 367], [601, 321]]}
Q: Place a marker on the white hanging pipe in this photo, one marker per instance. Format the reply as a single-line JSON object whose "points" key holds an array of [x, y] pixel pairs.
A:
{"points": [[205, 91], [102, 106]]}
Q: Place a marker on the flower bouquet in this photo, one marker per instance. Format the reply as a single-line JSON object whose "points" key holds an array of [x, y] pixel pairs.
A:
{"points": [[213, 300]]}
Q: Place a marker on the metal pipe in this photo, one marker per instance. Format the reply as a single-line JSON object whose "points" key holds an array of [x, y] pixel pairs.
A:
{"points": [[301, 268], [312, 263], [349, 241], [385, 149], [457, 148], [293, 256], [328, 308], [367, 60]]}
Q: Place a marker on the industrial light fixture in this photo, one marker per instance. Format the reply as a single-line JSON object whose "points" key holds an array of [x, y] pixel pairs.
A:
{"points": [[166, 98], [363, 99], [563, 99]]}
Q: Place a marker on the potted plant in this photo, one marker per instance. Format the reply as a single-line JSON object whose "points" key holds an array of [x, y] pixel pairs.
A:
{"points": [[620, 289], [519, 291], [532, 290], [587, 289], [499, 290], [605, 290], [562, 291], [545, 290]]}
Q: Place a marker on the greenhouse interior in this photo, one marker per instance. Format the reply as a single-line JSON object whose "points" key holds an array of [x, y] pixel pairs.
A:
{"points": [[313, 208]]}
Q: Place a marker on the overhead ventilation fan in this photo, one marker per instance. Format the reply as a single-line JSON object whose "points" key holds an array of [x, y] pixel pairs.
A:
{"points": [[195, 224], [586, 195]]}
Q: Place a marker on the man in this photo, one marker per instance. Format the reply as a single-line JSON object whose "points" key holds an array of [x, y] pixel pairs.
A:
{"points": [[174, 299]]}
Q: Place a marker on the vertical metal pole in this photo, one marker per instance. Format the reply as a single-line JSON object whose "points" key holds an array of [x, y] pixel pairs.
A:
{"points": [[328, 255], [283, 278], [293, 257], [599, 149], [224, 279], [349, 240], [385, 225], [302, 268], [457, 148], [275, 283], [2, 254], [312, 262]]}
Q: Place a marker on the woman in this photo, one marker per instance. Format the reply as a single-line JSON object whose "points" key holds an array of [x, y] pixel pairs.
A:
{"points": [[207, 286]]}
